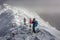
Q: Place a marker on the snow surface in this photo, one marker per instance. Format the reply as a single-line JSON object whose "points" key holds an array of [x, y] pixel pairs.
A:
{"points": [[11, 21]]}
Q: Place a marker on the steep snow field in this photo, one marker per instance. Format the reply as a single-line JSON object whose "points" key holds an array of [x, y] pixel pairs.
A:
{"points": [[11, 20]]}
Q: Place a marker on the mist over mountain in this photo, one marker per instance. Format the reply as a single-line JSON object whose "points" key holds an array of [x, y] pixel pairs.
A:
{"points": [[53, 19]]}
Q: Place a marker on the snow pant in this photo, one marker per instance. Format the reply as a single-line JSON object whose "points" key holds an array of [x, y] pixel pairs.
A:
{"points": [[24, 23], [30, 25], [34, 29]]}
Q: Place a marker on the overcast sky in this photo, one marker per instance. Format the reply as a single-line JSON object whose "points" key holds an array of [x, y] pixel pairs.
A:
{"points": [[43, 5]]}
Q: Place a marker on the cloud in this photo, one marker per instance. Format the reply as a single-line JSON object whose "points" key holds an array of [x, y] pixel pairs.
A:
{"points": [[2, 1]]}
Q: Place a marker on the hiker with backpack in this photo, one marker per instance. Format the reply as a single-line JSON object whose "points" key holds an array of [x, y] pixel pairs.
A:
{"points": [[35, 24]]}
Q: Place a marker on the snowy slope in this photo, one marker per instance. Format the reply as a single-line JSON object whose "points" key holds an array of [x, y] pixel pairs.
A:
{"points": [[23, 34], [12, 15]]}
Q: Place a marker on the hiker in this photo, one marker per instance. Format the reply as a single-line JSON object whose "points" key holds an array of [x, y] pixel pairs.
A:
{"points": [[35, 24], [24, 21], [30, 21]]}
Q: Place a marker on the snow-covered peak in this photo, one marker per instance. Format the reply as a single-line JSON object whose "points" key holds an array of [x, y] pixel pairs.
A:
{"points": [[25, 13]]}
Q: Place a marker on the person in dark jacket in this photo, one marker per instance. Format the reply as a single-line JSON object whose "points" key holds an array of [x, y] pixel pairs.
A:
{"points": [[35, 23]]}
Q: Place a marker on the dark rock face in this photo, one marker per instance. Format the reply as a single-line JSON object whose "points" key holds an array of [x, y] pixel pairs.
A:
{"points": [[5, 21], [52, 39], [36, 38]]}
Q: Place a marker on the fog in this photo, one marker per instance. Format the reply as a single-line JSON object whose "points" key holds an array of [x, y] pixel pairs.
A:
{"points": [[49, 10]]}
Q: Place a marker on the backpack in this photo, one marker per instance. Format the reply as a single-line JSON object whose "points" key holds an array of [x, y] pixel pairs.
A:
{"points": [[36, 23]]}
